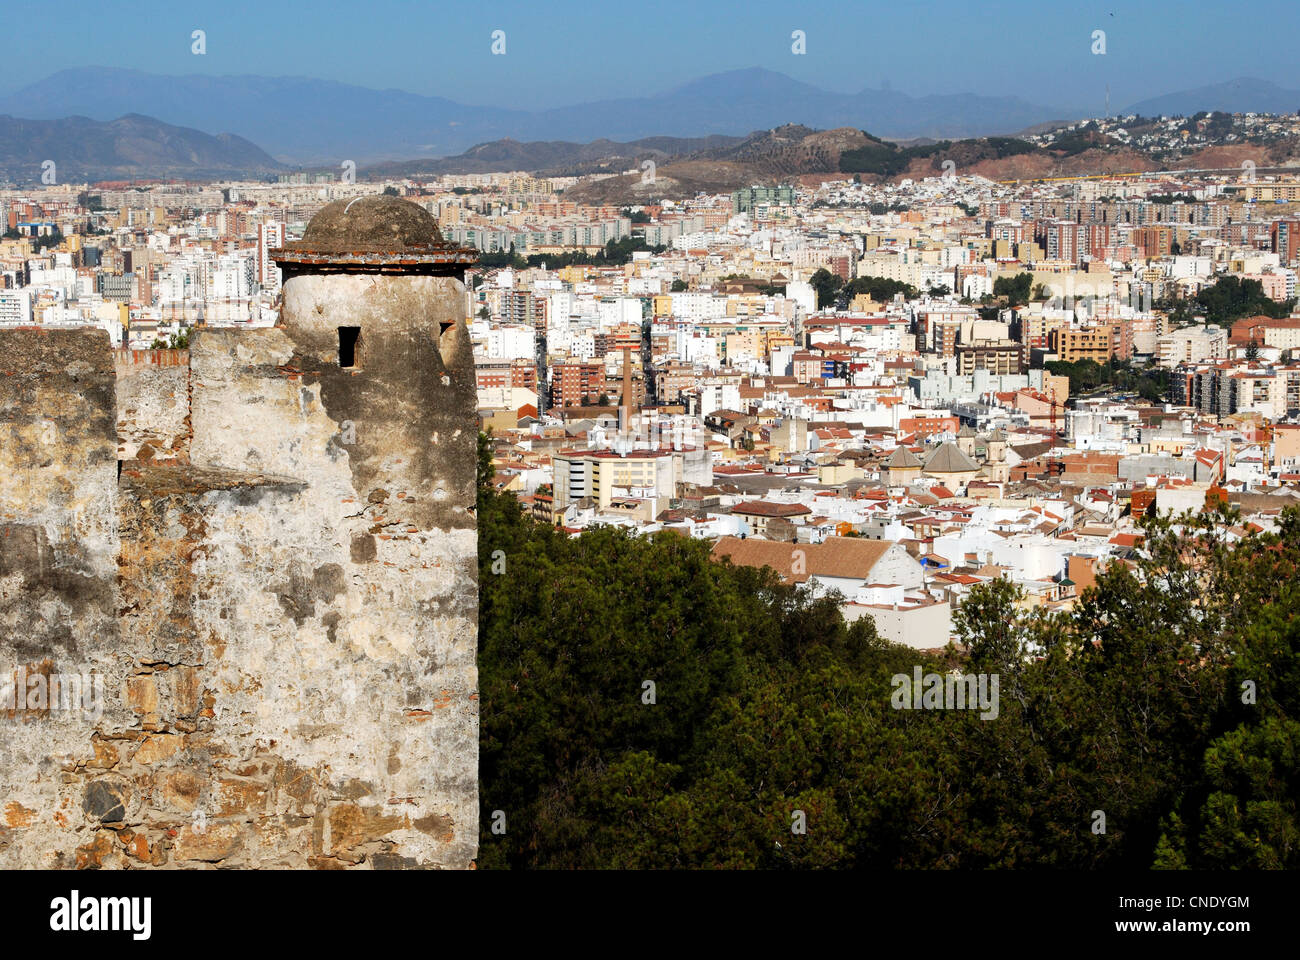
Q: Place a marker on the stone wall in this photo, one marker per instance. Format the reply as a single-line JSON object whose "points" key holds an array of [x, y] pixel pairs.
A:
{"points": [[278, 591], [153, 404], [58, 588]]}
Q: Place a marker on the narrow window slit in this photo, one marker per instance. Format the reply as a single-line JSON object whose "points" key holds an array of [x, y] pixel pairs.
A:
{"points": [[349, 337]]}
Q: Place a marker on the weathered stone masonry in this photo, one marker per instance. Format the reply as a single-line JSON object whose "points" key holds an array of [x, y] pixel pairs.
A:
{"points": [[269, 556]]}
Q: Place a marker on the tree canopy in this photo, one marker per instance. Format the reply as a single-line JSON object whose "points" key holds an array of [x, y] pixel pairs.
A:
{"points": [[1016, 289], [827, 286], [614, 252], [1150, 383], [644, 706], [1232, 298], [880, 289]]}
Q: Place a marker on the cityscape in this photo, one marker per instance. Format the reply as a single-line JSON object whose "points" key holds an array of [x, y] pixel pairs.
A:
{"points": [[1001, 378], [896, 484]]}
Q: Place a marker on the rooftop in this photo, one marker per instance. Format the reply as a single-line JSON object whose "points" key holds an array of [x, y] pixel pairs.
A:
{"points": [[950, 459]]}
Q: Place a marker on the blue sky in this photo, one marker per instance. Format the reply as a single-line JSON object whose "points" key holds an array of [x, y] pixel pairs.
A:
{"points": [[561, 52]]}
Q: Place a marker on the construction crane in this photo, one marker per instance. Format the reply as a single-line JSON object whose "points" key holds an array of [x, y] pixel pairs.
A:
{"points": [[1053, 403]]}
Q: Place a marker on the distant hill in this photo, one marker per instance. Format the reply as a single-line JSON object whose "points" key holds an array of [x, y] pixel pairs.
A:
{"points": [[1243, 95], [130, 146], [794, 149], [766, 156], [308, 121], [556, 157], [298, 119], [797, 153]]}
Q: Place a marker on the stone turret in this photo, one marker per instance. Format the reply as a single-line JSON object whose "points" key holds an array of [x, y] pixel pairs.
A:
{"points": [[375, 306]]}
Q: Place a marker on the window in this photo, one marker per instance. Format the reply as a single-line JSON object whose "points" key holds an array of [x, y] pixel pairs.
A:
{"points": [[349, 337]]}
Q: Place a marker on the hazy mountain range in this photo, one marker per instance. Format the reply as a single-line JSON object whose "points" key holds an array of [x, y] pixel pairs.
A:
{"points": [[89, 120], [129, 147], [1243, 95], [302, 120]]}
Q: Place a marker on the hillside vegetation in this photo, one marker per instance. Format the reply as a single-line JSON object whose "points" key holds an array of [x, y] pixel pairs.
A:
{"points": [[768, 706]]}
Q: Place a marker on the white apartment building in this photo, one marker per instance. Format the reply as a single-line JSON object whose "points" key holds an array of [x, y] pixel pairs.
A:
{"points": [[698, 306], [1192, 344], [15, 308], [231, 278], [511, 343], [642, 474], [269, 236]]}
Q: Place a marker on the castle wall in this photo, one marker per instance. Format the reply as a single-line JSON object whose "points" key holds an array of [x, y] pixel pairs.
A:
{"points": [[285, 625], [58, 588], [153, 404]]}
